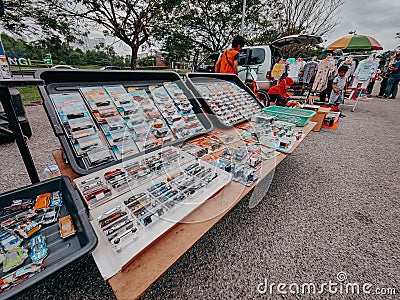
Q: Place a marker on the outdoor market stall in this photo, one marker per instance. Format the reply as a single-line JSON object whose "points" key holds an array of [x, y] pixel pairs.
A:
{"points": [[150, 202]]}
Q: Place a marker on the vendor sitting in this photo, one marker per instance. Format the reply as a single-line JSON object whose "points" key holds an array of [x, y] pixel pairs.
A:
{"points": [[279, 93]]}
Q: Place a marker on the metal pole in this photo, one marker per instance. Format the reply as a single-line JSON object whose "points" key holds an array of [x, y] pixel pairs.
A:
{"points": [[243, 17], [5, 98]]}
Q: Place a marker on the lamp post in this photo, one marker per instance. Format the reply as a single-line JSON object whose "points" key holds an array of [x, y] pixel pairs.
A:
{"points": [[243, 17]]}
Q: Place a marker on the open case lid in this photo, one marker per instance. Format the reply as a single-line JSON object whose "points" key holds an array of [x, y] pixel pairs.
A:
{"points": [[68, 81], [196, 79]]}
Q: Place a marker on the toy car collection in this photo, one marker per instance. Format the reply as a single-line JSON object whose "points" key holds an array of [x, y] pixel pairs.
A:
{"points": [[268, 132], [134, 202], [227, 101], [165, 185], [21, 238], [126, 120]]}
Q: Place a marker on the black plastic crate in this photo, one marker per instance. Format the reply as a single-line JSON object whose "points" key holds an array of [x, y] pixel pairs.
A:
{"points": [[61, 251], [65, 81], [193, 78]]}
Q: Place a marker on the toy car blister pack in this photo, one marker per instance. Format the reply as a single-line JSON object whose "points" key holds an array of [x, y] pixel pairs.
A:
{"points": [[149, 195]]}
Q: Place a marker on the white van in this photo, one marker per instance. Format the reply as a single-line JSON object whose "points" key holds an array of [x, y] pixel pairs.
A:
{"points": [[261, 59]]}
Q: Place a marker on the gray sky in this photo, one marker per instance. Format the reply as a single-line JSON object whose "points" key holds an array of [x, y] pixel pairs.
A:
{"points": [[377, 18]]}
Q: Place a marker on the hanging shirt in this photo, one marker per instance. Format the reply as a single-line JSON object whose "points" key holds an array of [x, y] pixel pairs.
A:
{"points": [[309, 71], [365, 71], [278, 70], [325, 69], [294, 70]]}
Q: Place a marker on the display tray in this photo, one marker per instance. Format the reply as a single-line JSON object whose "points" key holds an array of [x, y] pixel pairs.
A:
{"points": [[61, 251], [299, 117], [146, 197], [103, 117], [223, 93]]}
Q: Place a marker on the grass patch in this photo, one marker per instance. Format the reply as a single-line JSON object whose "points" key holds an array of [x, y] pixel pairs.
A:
{"points": [[29, 94]]}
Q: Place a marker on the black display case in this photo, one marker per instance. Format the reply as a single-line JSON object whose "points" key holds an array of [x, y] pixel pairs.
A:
{"points": [[194, 79], [61, 251], [68, 81]]}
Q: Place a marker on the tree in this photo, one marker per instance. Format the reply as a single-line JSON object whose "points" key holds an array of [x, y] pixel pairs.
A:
{"points": [[27, 17], [133, 22], [316, 17], [209, 25]]}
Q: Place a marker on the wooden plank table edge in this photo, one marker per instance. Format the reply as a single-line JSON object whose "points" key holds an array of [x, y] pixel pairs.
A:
{"points": [[134, 279], [149, 265]]}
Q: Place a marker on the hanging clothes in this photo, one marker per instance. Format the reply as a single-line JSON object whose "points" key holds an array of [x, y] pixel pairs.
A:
{"points": [[365, 71], [294, 70], [278, 70], [350, 64], [309, 71], [325, 69]]}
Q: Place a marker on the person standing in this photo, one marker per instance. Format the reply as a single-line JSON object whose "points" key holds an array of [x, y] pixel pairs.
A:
{"points": [[336, 56], [338, 87], [229, 60], [393, 79]]}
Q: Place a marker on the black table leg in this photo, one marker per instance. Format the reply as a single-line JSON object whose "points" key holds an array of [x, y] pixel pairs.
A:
{"points": [[5, 99]]}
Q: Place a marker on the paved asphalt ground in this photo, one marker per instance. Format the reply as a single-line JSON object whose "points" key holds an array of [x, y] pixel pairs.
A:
{"points": [[333, 206]]}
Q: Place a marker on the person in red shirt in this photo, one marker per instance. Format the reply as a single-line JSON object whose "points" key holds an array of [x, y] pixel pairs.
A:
{"points": [[229, 60], [279, 94]]}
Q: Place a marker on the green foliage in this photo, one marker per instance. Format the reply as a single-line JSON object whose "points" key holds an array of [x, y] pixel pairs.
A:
{"points": [[61, 52], [29, 94], [147, 61]]}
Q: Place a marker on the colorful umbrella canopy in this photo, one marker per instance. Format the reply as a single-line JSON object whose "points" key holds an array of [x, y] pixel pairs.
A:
{"points": [[355, 42]]}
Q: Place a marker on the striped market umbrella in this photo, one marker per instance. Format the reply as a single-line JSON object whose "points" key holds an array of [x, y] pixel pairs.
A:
{"points": [[355, 42]]}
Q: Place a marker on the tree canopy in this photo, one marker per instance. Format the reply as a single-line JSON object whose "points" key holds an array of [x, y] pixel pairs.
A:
{"points": [[181, 27]]}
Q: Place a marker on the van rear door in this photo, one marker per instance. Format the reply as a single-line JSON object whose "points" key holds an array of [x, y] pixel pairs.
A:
{"points": [[297, 39], [257, 58]]}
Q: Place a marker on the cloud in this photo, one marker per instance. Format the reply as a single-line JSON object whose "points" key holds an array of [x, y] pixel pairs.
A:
{"points": [[379, 19]]}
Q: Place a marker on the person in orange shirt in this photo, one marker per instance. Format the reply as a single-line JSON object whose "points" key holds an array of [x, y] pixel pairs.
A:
{"points": [[229, 60]]}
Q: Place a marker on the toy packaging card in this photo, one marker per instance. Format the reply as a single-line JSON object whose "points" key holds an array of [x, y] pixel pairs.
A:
{"points": [[135, 202], [147, 124], [124, 102], [84, 144], [99, 102], [97, 156], [69, 107]]}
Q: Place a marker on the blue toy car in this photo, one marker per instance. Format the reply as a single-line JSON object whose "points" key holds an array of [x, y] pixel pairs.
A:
{"points": [[56, 199], [38, 248]]}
